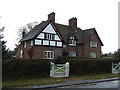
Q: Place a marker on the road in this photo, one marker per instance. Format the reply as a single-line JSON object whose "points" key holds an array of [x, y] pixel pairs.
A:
{"points": [[109, 84]]}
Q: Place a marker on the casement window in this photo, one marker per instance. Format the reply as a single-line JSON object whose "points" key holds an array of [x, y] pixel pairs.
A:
{"points": [[72, 54], [59, 44], [93, 55], [72, 42], [93, 44], [31, 42], [24, 44], [38, 42], [52, 43], [21, 53], [48, 55], [49, 36]]}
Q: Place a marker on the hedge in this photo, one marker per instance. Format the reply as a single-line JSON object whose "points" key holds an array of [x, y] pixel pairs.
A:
{"points": [[21, 68], [81, 67], [41, 68]]}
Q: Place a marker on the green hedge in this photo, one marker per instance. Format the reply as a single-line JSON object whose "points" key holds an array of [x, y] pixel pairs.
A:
{"points": [[21, 68], [80, 67]]}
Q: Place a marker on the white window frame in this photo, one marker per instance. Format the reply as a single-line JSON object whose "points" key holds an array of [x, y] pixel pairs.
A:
{"points": [[72, 54], [49, 36], [48, 55], [59, 44], [93, 55], [38, 42], [31, 42], [21, 53], [72, 42], [25, 44], [93, 44]]}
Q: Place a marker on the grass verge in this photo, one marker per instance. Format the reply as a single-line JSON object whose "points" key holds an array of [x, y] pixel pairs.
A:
{"points": [[31, 81]]}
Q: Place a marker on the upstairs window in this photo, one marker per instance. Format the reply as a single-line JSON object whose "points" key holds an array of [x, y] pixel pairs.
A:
{"points": [[24, 44], [49, 36], [48, 55], [31, 42], [72, 41], [93, 44]]}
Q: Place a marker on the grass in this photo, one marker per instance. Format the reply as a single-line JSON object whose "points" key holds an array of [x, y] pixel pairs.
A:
{"points": [[31, 81]]}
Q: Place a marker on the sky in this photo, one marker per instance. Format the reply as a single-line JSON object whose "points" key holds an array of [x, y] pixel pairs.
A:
{"points": [[99, 14]]}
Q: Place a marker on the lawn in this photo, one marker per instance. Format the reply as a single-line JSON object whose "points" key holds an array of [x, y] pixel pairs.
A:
{"points": [[31, 81]]}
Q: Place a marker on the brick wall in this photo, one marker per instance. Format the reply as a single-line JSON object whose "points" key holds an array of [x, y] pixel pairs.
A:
{"points": [[87, 49]]}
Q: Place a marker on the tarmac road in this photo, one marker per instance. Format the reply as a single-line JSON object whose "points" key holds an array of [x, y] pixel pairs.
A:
{"points": [[108, 84]]}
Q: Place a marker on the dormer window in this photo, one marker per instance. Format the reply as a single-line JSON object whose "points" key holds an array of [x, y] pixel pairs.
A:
{"points": [[72, 41], [93, 44]]}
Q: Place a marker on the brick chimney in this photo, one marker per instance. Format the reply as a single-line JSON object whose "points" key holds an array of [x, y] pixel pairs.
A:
{"points": [[23, 34], [51, 16], [73, 22]]}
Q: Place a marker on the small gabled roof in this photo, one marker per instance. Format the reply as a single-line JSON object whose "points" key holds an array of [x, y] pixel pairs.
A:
{"points": [[86, 35]]}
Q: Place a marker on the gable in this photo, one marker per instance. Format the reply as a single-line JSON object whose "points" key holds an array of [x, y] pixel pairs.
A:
{"points": [[50, 32], [49, 29], [89, 34]]}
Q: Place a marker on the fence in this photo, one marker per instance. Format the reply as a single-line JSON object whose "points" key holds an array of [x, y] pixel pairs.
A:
{"points": [[59, 70], [116, 68]]}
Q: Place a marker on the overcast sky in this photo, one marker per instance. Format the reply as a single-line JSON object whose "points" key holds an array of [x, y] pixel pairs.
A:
{"points": [[99, 14]]}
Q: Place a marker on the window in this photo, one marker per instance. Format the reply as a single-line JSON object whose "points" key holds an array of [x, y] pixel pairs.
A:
{"points": [[31, 43], [93, 55], [48, 55], [59, 44], [93, 44], [72, 42], [72, 54], [49, 36], [52, 43], [24, 44], [21, 53], [45, 42], [38, 42]]}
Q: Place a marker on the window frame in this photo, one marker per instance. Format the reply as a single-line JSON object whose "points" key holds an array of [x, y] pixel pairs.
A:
{"points": [[31, 42], [93, 55], [21, 53], [25, 45], [48, 55], [92, 44], [49, 36], [72, 54]]}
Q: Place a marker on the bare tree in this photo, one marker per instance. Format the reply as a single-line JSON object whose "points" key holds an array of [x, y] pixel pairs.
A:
{"points": [[27, 28]]}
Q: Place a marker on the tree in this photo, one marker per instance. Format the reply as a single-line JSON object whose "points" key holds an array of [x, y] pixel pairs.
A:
{"points": [[3, 49], [27, 28], [117, 54]]}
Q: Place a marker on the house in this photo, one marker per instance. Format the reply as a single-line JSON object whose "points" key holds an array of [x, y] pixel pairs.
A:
{"points": [[48, 40]]}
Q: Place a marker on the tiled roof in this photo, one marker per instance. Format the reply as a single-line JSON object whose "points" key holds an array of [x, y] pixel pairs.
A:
{"points": [[64, 30], [35, 31]]}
